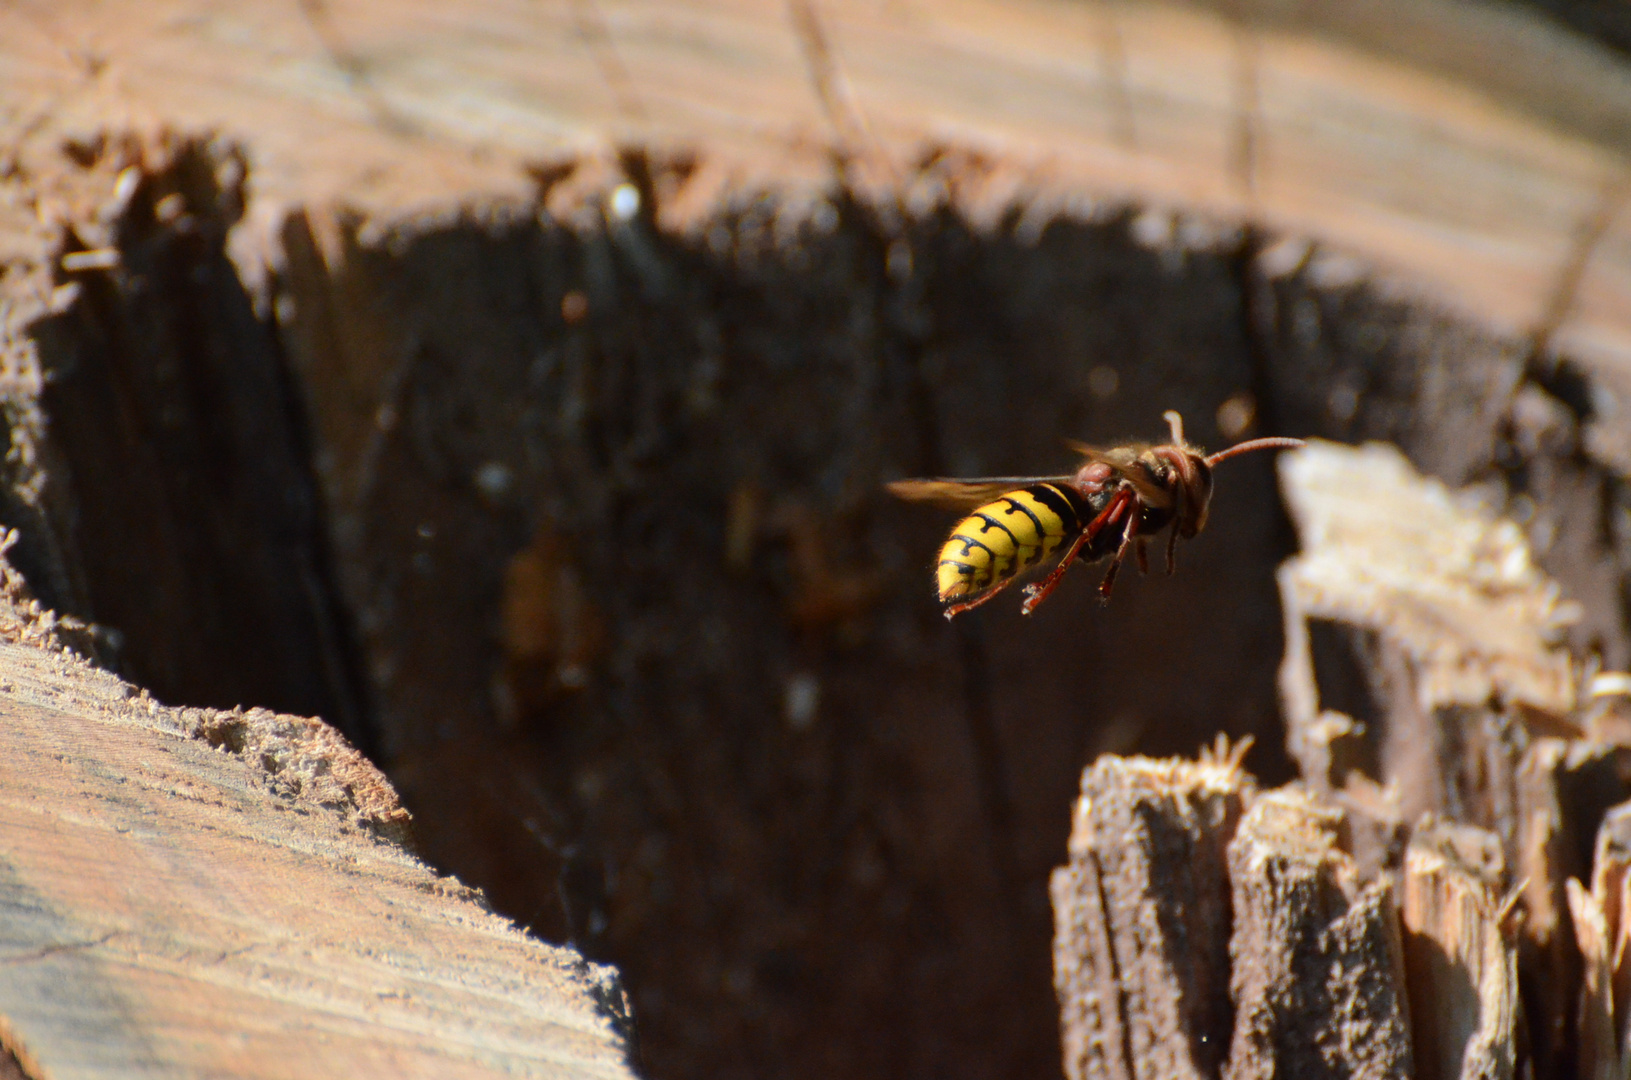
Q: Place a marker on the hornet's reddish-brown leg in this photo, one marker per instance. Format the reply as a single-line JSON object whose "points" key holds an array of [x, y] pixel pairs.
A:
{"points": [[1109, 581], [1112, 513], [970, 605], [1172, 550], [1035, 594], [1143, 556]]}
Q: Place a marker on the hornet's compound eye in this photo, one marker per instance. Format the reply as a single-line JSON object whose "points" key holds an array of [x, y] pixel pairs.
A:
{"points": [[1197, 500]]}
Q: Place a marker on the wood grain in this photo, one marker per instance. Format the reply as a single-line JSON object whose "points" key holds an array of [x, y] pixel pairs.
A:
{"points": [[171, 907], [1317, 970], [1383, 129], [1463, 972]]}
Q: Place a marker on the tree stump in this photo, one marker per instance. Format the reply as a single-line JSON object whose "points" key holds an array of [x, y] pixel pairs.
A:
{"points": [[1141, 960], [1316, 959], [515, 391]]}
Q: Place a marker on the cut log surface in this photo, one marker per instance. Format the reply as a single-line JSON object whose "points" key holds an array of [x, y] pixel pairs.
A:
{"points": [[203, 893], [394, 108]]}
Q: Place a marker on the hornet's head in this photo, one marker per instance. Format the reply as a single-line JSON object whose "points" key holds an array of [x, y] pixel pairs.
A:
{"points": [[1192, 472], [1188, 478]]}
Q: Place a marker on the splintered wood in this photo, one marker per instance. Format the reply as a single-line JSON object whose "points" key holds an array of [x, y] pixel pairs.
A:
{"points": [[1164, 858], [1316, 952], [1416, 906], [1449, 583], [1564, 790], [1202, 929], [1602, 925], [1462, 970], [1438, 602], [1141, 956], [1424, 661]]}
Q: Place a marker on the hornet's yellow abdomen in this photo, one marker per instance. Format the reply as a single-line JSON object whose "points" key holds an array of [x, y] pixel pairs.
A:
{"points": [[1005, 536]]}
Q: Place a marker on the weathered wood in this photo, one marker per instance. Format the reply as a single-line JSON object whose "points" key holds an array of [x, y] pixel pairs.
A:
{"points": [[1330, 974], [1602, 926], [1462, 969], [389, 106], [1564, 790], [193, 892], [1141, 962], [1441, 579], [1423, 615], [1317, 973]]}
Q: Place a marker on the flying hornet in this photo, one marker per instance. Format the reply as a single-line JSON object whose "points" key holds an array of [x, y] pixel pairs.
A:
{"points": [[1121, 496]]}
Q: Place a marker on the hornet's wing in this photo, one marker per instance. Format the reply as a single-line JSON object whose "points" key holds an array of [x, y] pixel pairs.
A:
{"points": [[965, 494]]}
